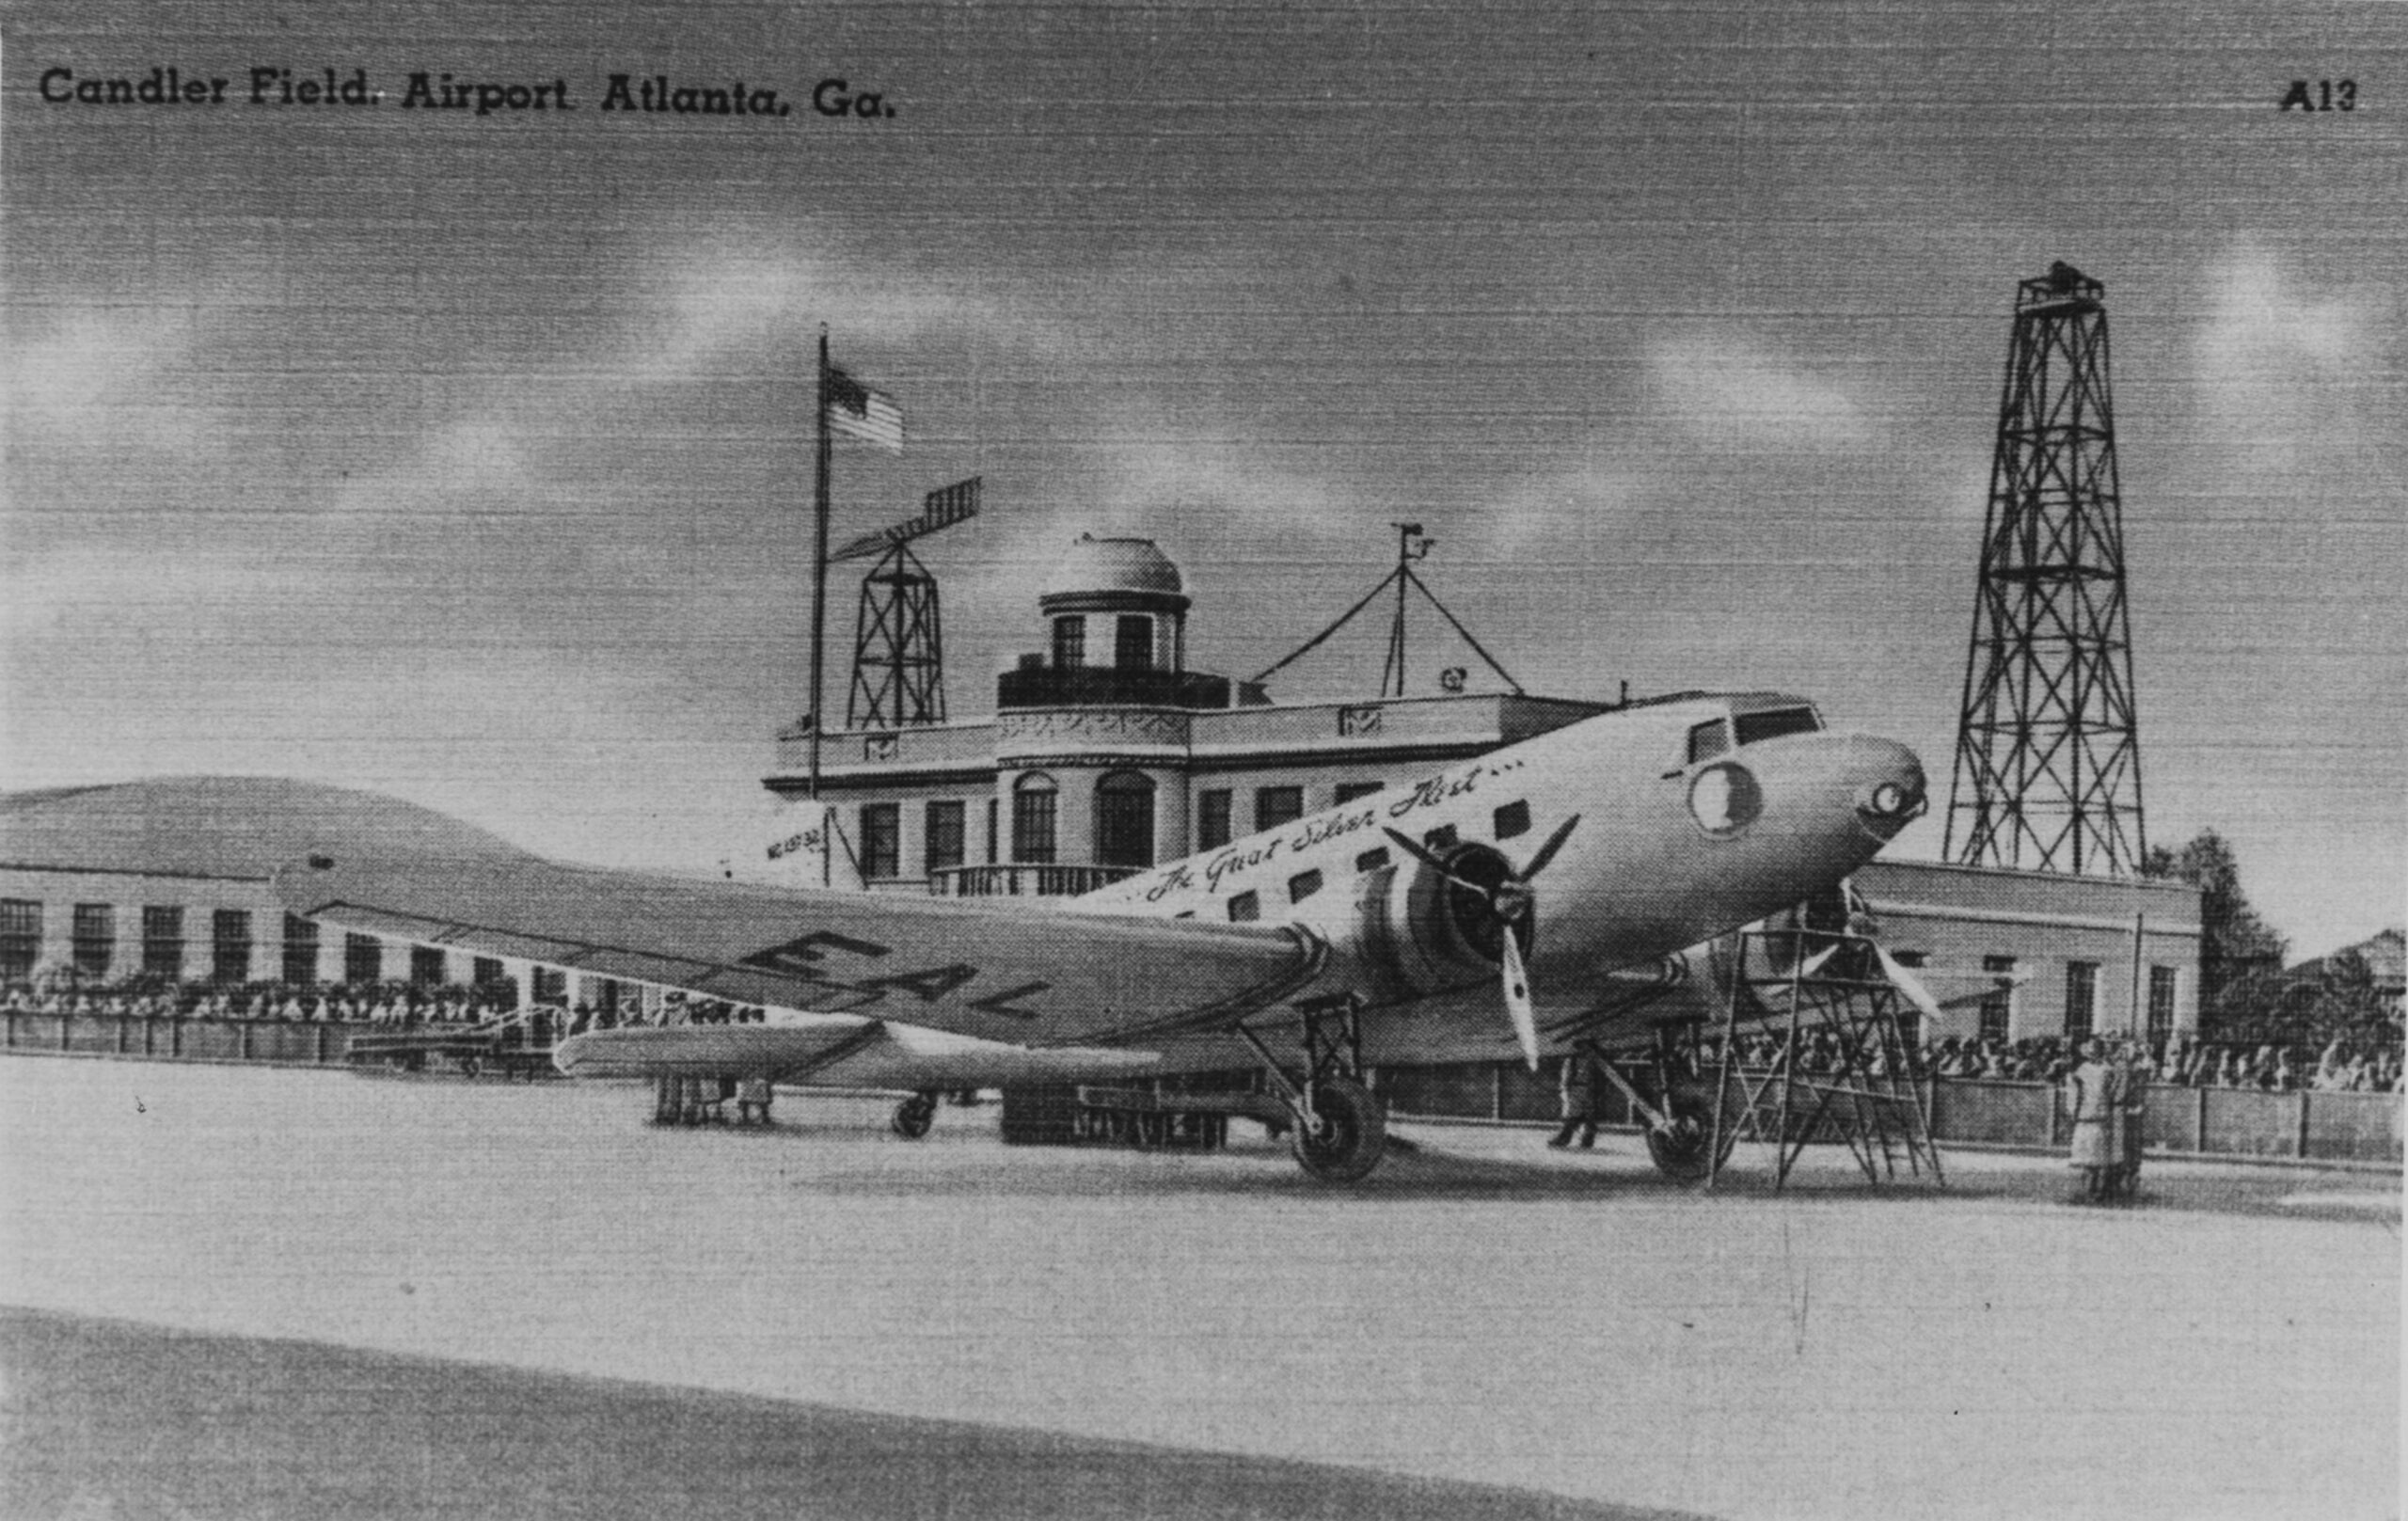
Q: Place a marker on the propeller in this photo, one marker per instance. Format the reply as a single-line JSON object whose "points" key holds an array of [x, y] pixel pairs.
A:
{"points": [[1512, 903], [1909, 984]]}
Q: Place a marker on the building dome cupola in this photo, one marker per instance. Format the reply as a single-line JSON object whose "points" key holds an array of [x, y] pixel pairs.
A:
{"points": [[1113, 575], [1116, 633]]}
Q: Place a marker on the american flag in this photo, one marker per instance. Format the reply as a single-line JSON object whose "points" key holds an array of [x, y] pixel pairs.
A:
{"points": [[854, 409]]}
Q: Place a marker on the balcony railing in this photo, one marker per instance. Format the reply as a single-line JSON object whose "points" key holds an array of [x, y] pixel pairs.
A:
{"points": [[1106, 685], [1024, 880]]}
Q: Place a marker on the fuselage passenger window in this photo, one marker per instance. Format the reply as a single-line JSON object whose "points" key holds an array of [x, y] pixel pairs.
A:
{"points": [[1245, 908], [1303, 885], [1512, 820]]}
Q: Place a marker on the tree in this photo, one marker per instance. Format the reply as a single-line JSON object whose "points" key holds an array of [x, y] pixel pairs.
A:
{"points": [[2240, 957]]}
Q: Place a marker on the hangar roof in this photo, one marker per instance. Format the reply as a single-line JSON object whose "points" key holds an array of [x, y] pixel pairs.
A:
{"points": [[223, 826]]}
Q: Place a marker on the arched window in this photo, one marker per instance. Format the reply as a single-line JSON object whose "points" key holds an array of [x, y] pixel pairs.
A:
{"points": [[1124, 821], [1034, 809]]}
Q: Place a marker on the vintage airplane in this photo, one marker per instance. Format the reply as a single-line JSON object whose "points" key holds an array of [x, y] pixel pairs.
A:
{"points": [[1550, 877]]}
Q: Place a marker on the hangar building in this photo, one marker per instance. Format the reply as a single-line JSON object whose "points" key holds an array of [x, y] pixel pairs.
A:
{"points": [[171, 878]]}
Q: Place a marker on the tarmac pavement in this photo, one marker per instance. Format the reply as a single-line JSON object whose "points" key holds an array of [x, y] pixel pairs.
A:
{"points": [[1481, 1313]]}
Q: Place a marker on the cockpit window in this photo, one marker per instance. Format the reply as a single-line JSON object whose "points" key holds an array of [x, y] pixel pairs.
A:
{"points": [[1781, 720], [1708, 740]]}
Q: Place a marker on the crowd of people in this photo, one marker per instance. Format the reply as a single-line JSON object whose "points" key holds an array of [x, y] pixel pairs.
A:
{"points": [[398, 1005], [2339, 1068]]}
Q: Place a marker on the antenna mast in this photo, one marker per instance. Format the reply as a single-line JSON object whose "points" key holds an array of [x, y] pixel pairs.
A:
{"points": [[2048, 749]]}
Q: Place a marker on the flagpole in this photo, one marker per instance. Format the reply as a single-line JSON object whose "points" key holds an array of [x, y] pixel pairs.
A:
{"points": [[819, 572]]}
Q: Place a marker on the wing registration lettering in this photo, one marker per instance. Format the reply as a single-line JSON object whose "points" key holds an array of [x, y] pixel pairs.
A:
{"points": [[1001, 1003], [800, 957], [933, 985]]}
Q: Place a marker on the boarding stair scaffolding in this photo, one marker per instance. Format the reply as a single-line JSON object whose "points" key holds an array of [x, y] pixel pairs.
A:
{"points": [[1831, 1055]]}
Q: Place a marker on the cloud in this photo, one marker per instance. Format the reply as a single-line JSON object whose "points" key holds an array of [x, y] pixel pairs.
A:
{"points": [[2282, 367], [728, 296], [100, 380], [1724, 388], [1586, 506]]}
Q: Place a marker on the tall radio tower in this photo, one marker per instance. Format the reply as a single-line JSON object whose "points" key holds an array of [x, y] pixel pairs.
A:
{"points": [[2048, 751]]}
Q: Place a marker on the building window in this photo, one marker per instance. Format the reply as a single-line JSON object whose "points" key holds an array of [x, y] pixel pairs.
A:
{"points": [[95, 938], [1035, 805], [426, 966], [1512, 819], [2161, 1004], [1133, 645], [943, 844], [881, 840], [1245, 908], [163, 939], [229, 945], [1070, 643], [2082, 998], [1999, 1002], [1274, 806], [363, 959], [1212, 819], [1124, 821], [300, 950], [20, 936], [992, 836], [1303, 885], [1349, 791]]}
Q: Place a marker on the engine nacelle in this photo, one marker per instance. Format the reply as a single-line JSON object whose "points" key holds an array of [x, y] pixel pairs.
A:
{"points": [[1414, 932]]}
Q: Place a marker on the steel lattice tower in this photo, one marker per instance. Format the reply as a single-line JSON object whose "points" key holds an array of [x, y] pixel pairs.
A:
{"points": [[2048, 749], [898, 648]]}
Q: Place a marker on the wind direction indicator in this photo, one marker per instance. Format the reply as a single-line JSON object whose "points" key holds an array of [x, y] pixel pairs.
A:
{"points": [[898, 635]]}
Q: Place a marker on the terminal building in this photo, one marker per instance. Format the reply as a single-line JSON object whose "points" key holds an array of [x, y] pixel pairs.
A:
{"points": [[1106, 754]]}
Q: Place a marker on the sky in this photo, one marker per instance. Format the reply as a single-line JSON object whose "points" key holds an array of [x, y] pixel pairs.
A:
{"points": [[467, 457]]}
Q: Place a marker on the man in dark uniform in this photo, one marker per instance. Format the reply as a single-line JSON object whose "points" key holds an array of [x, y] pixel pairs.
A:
{"points": [[1578, 1088], [2132, 1114]]}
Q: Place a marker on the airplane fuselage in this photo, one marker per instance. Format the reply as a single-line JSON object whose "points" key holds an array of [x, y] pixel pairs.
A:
{"points": [[1678, 820]]}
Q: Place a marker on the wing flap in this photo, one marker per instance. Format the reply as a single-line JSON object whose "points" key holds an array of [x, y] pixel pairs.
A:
{"points": [[838, 1050]]}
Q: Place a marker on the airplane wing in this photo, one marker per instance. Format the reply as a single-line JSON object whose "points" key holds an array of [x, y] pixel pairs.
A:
{"points": [[1016, 973]]}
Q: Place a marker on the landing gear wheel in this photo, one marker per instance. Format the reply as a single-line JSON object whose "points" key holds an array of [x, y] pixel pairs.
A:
{"points": [[1685, 1153], [914, 1116], [1350, 1135]]}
